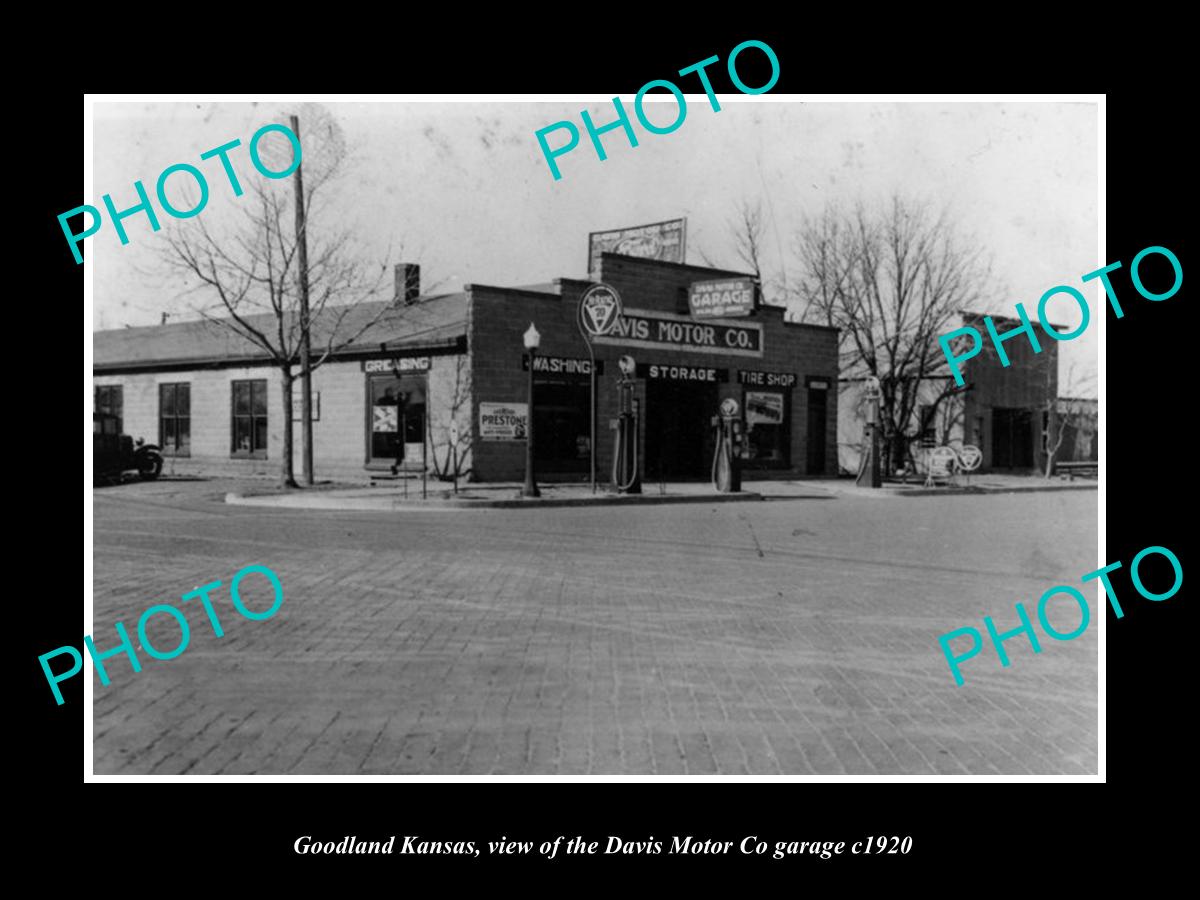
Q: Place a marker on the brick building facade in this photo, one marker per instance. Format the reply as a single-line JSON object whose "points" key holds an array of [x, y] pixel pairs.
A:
{"points": [[443, 382], [1005, 411]]}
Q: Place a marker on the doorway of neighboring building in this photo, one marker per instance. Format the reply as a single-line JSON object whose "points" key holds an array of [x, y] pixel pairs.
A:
{"points": [[1012, 439], [816, 430], [679, 439]]}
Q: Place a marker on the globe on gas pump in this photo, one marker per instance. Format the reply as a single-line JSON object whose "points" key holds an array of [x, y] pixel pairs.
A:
{"points": [[727, 470], [626, 474]]}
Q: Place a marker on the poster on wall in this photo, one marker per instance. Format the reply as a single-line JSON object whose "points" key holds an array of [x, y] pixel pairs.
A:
{"points": [[385, 418], [298, 406], [503, 421], [764, 408]]}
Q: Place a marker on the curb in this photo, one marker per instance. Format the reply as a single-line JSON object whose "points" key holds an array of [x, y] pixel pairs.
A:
{"points": [[946, 492], [512, 503]]}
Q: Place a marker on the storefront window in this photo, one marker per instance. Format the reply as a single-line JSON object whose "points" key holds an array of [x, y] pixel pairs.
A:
{"points": [[766, 427], [175, 419], [107, 399], [397, 415], [250, 418]]}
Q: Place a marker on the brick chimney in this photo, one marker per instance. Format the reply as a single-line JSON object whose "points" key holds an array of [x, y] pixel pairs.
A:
{"points": [[408, 284]]}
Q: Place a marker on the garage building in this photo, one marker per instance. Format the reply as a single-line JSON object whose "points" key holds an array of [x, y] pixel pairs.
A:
{"points": [[441, 383]]}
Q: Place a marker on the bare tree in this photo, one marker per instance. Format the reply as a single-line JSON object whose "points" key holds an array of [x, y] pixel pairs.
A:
{"points": [[246, 276], [748, 229], [457, 446], [892, 280], [748, 233], [1064, 410]]}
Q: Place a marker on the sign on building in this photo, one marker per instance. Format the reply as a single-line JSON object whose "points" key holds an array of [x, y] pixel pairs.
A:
{"points": [[722, 298], [561, 365], [764, 408], [403, 364], [599, 310], [664, 331], [298, 404], [767, 379], [658, 372], [503, 421], [666, 241]]}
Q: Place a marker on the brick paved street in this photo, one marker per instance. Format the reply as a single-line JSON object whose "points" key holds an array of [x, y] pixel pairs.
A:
{"points": [[787, 636]]}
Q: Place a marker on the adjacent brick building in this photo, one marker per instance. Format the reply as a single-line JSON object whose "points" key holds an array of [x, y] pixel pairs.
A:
{"points": [[442, 382], [1003, 410]]}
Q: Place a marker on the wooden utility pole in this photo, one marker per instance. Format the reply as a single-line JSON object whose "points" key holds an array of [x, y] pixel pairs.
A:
{"points": [[305, 372]]}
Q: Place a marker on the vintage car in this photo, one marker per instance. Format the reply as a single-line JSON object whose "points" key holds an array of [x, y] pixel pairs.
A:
{"points": [[114, 454]]}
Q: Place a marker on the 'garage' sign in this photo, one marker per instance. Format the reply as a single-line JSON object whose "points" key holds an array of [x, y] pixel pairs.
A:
{"points": [[724, 297]]}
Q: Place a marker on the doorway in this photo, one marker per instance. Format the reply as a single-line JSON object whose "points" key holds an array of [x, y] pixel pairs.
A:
{"points": [[1012, 439], [816, 431], [396, 419], [679, 438]]}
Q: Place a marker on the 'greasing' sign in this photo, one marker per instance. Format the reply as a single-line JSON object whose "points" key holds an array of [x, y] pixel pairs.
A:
{"points": [[662, 331]]}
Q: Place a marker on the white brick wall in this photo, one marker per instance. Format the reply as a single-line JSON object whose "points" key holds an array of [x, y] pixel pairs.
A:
{"points": [[339, 436]]}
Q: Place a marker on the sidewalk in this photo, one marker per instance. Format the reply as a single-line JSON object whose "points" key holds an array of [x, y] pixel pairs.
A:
{"points": [[986, 483], [503, 495], [507, 495]]}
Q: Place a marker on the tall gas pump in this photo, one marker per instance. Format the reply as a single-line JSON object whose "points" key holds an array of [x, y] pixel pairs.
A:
{"points": [[869, 473], [626, 474], [727, 469]]}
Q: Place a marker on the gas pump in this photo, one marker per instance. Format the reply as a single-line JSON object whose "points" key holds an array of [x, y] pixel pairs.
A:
{"points": [[626, 477], [727, 470]]}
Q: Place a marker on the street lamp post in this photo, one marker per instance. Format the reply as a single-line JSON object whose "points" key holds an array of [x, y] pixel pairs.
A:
{"points": [[532, 339]]}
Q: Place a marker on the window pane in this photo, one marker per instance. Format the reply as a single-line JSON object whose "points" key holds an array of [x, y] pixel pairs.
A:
{"points": [[414, 423], [168, 433], [241, 398], [107, 399], [766, 439], [260, 433], [183, 399], [166, 399], [183, 434], [260, 398], [241, 434]]}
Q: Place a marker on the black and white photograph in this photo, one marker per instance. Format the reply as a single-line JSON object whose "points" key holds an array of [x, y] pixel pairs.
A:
{"points": [[504, 436]]}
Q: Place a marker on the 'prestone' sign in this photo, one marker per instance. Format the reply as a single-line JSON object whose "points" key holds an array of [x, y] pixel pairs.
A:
{"points": [[503, 421]]}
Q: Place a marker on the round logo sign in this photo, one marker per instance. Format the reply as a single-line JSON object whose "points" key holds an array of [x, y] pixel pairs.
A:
{"points": [[729, 408], [970, 457], [599, 310]]}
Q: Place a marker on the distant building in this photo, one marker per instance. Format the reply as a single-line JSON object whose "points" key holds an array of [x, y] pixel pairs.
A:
{"points": [[1003, 410], [1080, 421]]}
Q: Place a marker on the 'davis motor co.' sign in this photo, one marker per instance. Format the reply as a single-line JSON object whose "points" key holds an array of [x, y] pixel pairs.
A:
{"points": [[663, 331]]}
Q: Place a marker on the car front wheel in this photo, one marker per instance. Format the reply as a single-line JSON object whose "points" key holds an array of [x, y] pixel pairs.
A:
{"points": [[150, 468]]}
